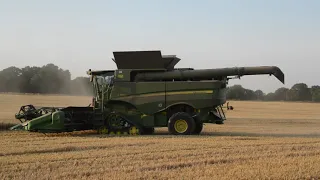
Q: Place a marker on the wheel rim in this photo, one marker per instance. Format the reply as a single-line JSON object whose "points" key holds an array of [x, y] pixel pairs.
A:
{"points": [[134, 131], [181, 126], [103, 130]]}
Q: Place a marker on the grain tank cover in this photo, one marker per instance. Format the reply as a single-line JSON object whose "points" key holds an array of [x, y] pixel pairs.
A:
{"points": [[144, 60], [170, 61]]}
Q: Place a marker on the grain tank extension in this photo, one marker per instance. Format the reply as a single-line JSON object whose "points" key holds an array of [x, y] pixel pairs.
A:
{"points": [[144, 92]]}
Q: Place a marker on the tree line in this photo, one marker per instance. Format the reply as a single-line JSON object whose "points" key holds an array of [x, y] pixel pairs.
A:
{"points": [[50, 79], [298, 92]]}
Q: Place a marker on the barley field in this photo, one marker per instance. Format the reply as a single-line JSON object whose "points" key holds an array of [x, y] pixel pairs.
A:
{"points": [[260, 140]]}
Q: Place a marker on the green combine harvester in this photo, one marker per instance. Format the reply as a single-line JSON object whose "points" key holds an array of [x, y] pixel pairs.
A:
{"points": [[144, 92]]}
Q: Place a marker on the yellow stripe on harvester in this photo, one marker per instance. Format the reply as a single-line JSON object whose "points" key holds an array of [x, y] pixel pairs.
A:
{"points": [[176, 93], [169, 93], [190, 92]]}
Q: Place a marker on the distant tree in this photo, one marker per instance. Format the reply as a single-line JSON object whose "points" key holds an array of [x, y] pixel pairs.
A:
{"points": [[235, 92], [46, 79], [270, 97], [299, 92], [249, 95], [259, 94], [51, 79], [281, 94], [27, 73], [315, 91], [81, 86], [10, 79]]}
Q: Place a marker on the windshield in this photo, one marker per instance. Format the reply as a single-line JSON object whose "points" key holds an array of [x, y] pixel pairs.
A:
{"points": [[105, 80]]}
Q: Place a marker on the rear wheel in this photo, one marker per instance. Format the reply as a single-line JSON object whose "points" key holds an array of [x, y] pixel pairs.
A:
{"points": [[181, 123]]}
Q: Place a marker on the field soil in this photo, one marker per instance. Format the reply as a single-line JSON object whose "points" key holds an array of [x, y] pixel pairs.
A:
{"points": [[260, 140]]}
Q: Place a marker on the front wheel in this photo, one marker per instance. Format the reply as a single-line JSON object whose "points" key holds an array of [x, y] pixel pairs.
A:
{"points": [[181, 123]]}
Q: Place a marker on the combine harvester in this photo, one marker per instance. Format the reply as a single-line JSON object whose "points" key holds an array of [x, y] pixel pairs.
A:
{"points": [[144, 92]]}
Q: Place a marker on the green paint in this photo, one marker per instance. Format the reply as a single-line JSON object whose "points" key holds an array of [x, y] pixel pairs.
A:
{"points": [[49, 122]]}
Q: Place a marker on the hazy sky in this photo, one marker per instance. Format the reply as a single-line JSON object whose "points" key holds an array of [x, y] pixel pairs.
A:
{"points": [[78, 35]]}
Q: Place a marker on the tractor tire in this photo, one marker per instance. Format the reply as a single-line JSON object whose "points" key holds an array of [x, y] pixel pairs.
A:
{"points": [[181, 123], [198, 128]]}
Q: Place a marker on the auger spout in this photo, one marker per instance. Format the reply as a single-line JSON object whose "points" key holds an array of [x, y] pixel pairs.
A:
{"points": [[208, 74]]}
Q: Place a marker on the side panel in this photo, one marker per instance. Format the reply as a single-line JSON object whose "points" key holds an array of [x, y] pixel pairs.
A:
{"points": [[194, 93], [150, 97], [123, 91], [147, 97]]}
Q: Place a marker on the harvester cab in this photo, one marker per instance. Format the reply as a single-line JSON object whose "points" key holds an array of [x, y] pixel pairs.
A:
{"points": [[147, 91], [102, 85]]}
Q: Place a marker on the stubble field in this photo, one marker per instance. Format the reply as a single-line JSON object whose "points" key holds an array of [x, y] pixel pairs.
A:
{"points": [[260, 140]]}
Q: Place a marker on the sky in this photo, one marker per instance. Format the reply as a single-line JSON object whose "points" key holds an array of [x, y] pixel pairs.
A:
{"points": [[79, 35]]}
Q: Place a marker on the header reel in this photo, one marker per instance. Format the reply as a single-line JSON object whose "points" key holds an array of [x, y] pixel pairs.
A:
{"points": [[29, 112]]}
